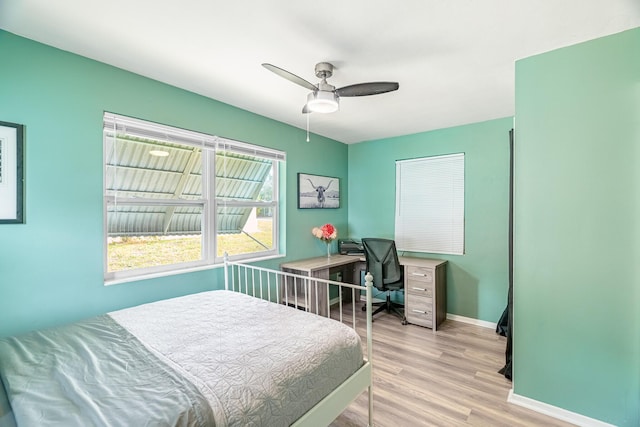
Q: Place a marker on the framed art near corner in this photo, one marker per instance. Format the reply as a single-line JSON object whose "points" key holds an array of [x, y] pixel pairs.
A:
{"points": [[318, 192], [11, 173]]}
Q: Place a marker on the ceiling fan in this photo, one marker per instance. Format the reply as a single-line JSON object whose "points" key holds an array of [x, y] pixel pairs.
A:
{"points": [[325, 98]]}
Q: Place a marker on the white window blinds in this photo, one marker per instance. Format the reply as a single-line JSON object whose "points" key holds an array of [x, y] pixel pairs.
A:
{"points": [[430, 204], [114, 123]]}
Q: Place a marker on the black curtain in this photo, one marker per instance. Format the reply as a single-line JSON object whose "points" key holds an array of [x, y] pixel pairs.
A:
{"points": [[505, 325]]}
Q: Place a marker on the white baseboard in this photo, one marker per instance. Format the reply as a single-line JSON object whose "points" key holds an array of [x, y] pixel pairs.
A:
{"points": [[555, 412], [472, 321]]}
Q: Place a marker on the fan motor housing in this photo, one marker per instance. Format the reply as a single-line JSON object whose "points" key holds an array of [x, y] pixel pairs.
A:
{"points": [[324, 70]]}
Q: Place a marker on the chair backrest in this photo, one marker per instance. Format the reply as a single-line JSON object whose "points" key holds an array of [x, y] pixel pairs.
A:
{"points": [[382, 262]]}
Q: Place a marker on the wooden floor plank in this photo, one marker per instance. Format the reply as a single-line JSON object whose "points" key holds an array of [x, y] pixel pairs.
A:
{"points": [[448, 378]]}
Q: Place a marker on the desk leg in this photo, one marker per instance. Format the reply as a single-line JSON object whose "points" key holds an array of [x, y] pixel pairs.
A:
{"points": [[319, 293], [349, 276], [305, 294]]}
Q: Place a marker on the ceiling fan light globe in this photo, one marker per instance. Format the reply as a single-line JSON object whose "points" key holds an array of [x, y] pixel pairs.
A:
{"points": [[322, 102]]}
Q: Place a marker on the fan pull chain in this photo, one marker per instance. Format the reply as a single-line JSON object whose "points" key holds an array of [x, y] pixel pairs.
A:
{"points": [[308, 114]]}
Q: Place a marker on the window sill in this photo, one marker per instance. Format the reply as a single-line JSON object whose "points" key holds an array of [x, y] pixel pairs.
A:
{"points": [[183, 271]]}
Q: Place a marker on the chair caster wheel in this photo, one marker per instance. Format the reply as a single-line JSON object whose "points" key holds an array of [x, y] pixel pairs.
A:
{"points": [[364, 308], [404, 322]]}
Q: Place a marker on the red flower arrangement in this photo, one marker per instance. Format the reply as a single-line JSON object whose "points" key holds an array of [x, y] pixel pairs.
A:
{"points": [[327, 233]]}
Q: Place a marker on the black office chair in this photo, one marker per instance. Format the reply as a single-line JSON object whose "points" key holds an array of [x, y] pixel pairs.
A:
{"points": [[383, 264]]}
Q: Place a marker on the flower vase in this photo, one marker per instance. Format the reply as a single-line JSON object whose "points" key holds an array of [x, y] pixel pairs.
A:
{"points": [[328, 250]]}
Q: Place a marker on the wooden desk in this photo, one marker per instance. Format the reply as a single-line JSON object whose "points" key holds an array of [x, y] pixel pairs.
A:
{"points": [[425, 282], [322, 268]]}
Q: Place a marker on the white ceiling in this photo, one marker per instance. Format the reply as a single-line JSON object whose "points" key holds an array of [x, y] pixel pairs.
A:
{"points": [[454, 59]]}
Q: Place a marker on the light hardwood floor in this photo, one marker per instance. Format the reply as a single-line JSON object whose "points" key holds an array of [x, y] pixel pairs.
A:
{"points": [[448, 378]]}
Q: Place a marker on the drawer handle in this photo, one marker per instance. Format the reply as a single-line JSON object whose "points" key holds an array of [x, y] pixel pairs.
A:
{"points": [[418, 311], [418, 289], [419, 274]]}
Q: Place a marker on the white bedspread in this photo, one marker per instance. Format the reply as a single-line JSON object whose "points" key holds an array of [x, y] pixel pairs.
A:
{"points": [[258, 363], [210, 359]]}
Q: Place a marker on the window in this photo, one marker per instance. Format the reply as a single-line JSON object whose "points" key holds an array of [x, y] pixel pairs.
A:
{"points": [[430, 204], [177, 199]]}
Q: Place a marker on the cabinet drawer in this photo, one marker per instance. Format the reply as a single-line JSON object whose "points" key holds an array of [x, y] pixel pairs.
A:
{"points": [[419, 311], [418, 288], [421, 274]]}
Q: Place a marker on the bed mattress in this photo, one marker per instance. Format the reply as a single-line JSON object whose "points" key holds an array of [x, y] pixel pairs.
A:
{"points": [[216, 358]]}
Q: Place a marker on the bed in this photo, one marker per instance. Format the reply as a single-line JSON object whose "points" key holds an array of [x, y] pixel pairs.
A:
{"points": [[235, 357]]}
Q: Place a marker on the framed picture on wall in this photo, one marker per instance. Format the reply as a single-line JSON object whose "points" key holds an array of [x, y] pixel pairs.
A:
{"points": [[318, 192], [11, 173]]}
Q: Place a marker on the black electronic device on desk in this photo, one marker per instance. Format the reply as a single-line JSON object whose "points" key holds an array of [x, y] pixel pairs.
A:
{"points": [[350, 247]]}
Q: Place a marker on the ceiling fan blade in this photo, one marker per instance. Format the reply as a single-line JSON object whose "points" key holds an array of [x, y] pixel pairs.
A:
{"points": [[290, 76], [364, 89]]}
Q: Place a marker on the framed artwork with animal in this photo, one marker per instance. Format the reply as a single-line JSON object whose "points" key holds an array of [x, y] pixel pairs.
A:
{"points": [[318, 192], [11, 173]]}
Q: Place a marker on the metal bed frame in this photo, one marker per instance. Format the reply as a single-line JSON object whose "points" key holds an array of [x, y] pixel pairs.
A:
{"points": [[272, 285]]}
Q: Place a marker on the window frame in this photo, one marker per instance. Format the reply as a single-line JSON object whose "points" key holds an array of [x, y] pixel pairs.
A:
{"points": [[434, 185], [210, 145]]}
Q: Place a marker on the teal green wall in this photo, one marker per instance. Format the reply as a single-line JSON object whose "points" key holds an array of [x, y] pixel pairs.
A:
{"points": [[577, 296], [577, 229], [477, 282], [51, 268]]}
